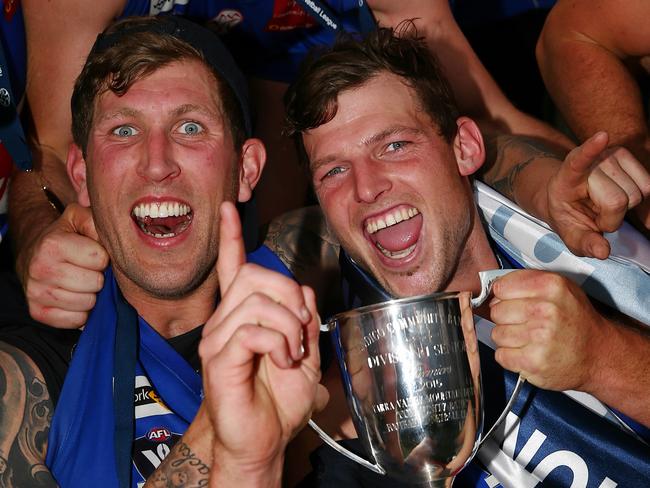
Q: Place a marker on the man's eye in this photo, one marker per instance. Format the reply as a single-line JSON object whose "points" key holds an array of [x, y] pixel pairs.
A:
{"points": [[125, 131], [191, 128], [396, 146], [334, 171]]}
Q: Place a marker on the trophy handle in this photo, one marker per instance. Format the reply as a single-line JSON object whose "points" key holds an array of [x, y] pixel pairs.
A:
{"points": [[513, 396], [487, 279], [342, 450]]}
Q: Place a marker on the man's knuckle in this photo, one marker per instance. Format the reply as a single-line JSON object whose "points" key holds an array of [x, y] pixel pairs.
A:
{"points": [[618, 201]]}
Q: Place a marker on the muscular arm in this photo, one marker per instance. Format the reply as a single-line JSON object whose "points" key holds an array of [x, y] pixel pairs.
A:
{"points": [[520, 169], [59, 37], [622, 361], [548, 330], [25, 416], [476, 92], [582, 54]]}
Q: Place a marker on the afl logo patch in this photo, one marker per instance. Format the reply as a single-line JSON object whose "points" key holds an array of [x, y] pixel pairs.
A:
{"points": [[159, 434]]}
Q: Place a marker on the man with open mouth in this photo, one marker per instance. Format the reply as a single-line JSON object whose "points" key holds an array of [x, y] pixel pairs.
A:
{"points": [[162, 153], [391, 160]]}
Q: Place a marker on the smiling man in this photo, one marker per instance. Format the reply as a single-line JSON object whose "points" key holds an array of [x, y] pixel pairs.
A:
{"points": [[391, 161], [162, 152]]}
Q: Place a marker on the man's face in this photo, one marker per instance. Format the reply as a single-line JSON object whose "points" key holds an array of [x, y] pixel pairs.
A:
{"points": [[390, 187], [160, 161]]}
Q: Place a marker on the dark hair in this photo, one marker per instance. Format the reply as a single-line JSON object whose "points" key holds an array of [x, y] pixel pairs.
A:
{"points": [[135, 47], [312, 99]]}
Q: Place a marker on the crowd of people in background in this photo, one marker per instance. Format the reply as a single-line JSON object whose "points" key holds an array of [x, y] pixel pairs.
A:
{"points": [[128, 130]]}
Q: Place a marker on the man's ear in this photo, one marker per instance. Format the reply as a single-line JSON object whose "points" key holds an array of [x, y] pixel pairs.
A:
{"points": [[468, 147], [253, 158], [76, 166]]}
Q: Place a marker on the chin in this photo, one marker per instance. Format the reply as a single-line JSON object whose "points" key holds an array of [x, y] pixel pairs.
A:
{"points": [[170, 287], [411, 283]]}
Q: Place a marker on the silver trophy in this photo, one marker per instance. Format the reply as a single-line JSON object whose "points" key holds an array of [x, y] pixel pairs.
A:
{"points": [[411, 371]]}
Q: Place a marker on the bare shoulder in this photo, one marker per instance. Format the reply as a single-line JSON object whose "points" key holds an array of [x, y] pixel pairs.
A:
{"points": [[304, 243], [25, 417], [618, 25], [390, 12]]}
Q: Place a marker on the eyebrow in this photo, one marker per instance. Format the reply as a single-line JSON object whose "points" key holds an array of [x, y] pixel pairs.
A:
{"points": [[123, 112], [179, 111], [189, 107], [389, 132], [374, 139]]}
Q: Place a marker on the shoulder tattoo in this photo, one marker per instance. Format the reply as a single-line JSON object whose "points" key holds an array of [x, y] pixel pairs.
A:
{"points": [[25, 416]]}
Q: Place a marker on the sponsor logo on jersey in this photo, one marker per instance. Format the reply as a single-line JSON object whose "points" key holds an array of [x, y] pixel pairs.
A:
{"points": [[147, 401]]}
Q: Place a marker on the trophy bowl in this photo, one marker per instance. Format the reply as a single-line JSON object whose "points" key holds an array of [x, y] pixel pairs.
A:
{"points": [[411, 372]]}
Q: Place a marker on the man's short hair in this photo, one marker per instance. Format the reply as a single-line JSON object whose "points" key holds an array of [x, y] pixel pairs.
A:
{"points": [[312, 99], [135, 47]]}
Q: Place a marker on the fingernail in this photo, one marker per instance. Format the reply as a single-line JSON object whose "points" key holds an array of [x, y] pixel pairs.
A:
{"points": [[304, 314], [301, 350]]}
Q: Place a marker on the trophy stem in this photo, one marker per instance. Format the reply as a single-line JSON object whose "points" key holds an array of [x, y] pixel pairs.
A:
{"points": [[440, 483]]}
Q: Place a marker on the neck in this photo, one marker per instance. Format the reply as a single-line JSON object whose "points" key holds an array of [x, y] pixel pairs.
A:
{"points": [[171, 317], [477, 256]]}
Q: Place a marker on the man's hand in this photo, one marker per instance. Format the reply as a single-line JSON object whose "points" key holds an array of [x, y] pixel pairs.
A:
{"points": [[591, 193], [261, 364], [63, 270], [547, 330]]}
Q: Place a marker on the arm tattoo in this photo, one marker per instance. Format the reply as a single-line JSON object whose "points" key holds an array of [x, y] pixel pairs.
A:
{"points": [[506, 186], [507, 156], [180, 469], [25, 417]]}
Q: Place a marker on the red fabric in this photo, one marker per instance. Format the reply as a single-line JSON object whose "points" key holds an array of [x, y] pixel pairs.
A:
{"points": [[288, 15], [6, 166], [9, 8]]}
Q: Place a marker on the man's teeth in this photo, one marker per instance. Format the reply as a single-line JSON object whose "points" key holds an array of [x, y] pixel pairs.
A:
{"points": [[397, 254], [392, 218], [161, 209]]}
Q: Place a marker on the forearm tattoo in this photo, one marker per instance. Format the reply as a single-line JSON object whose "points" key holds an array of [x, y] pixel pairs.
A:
{"points": [[507, 156], [25, 417], [180, 469]]}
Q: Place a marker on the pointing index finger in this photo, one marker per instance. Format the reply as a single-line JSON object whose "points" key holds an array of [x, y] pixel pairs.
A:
{"points": [[232, 254], [580, 161]]}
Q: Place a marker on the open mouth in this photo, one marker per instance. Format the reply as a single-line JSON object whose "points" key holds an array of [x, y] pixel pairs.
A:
{"points": [[162, 220], [395, 233]]}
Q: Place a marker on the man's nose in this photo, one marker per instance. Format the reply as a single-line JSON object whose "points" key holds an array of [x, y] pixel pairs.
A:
{"points": [[158, 162], [370, 181]]}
